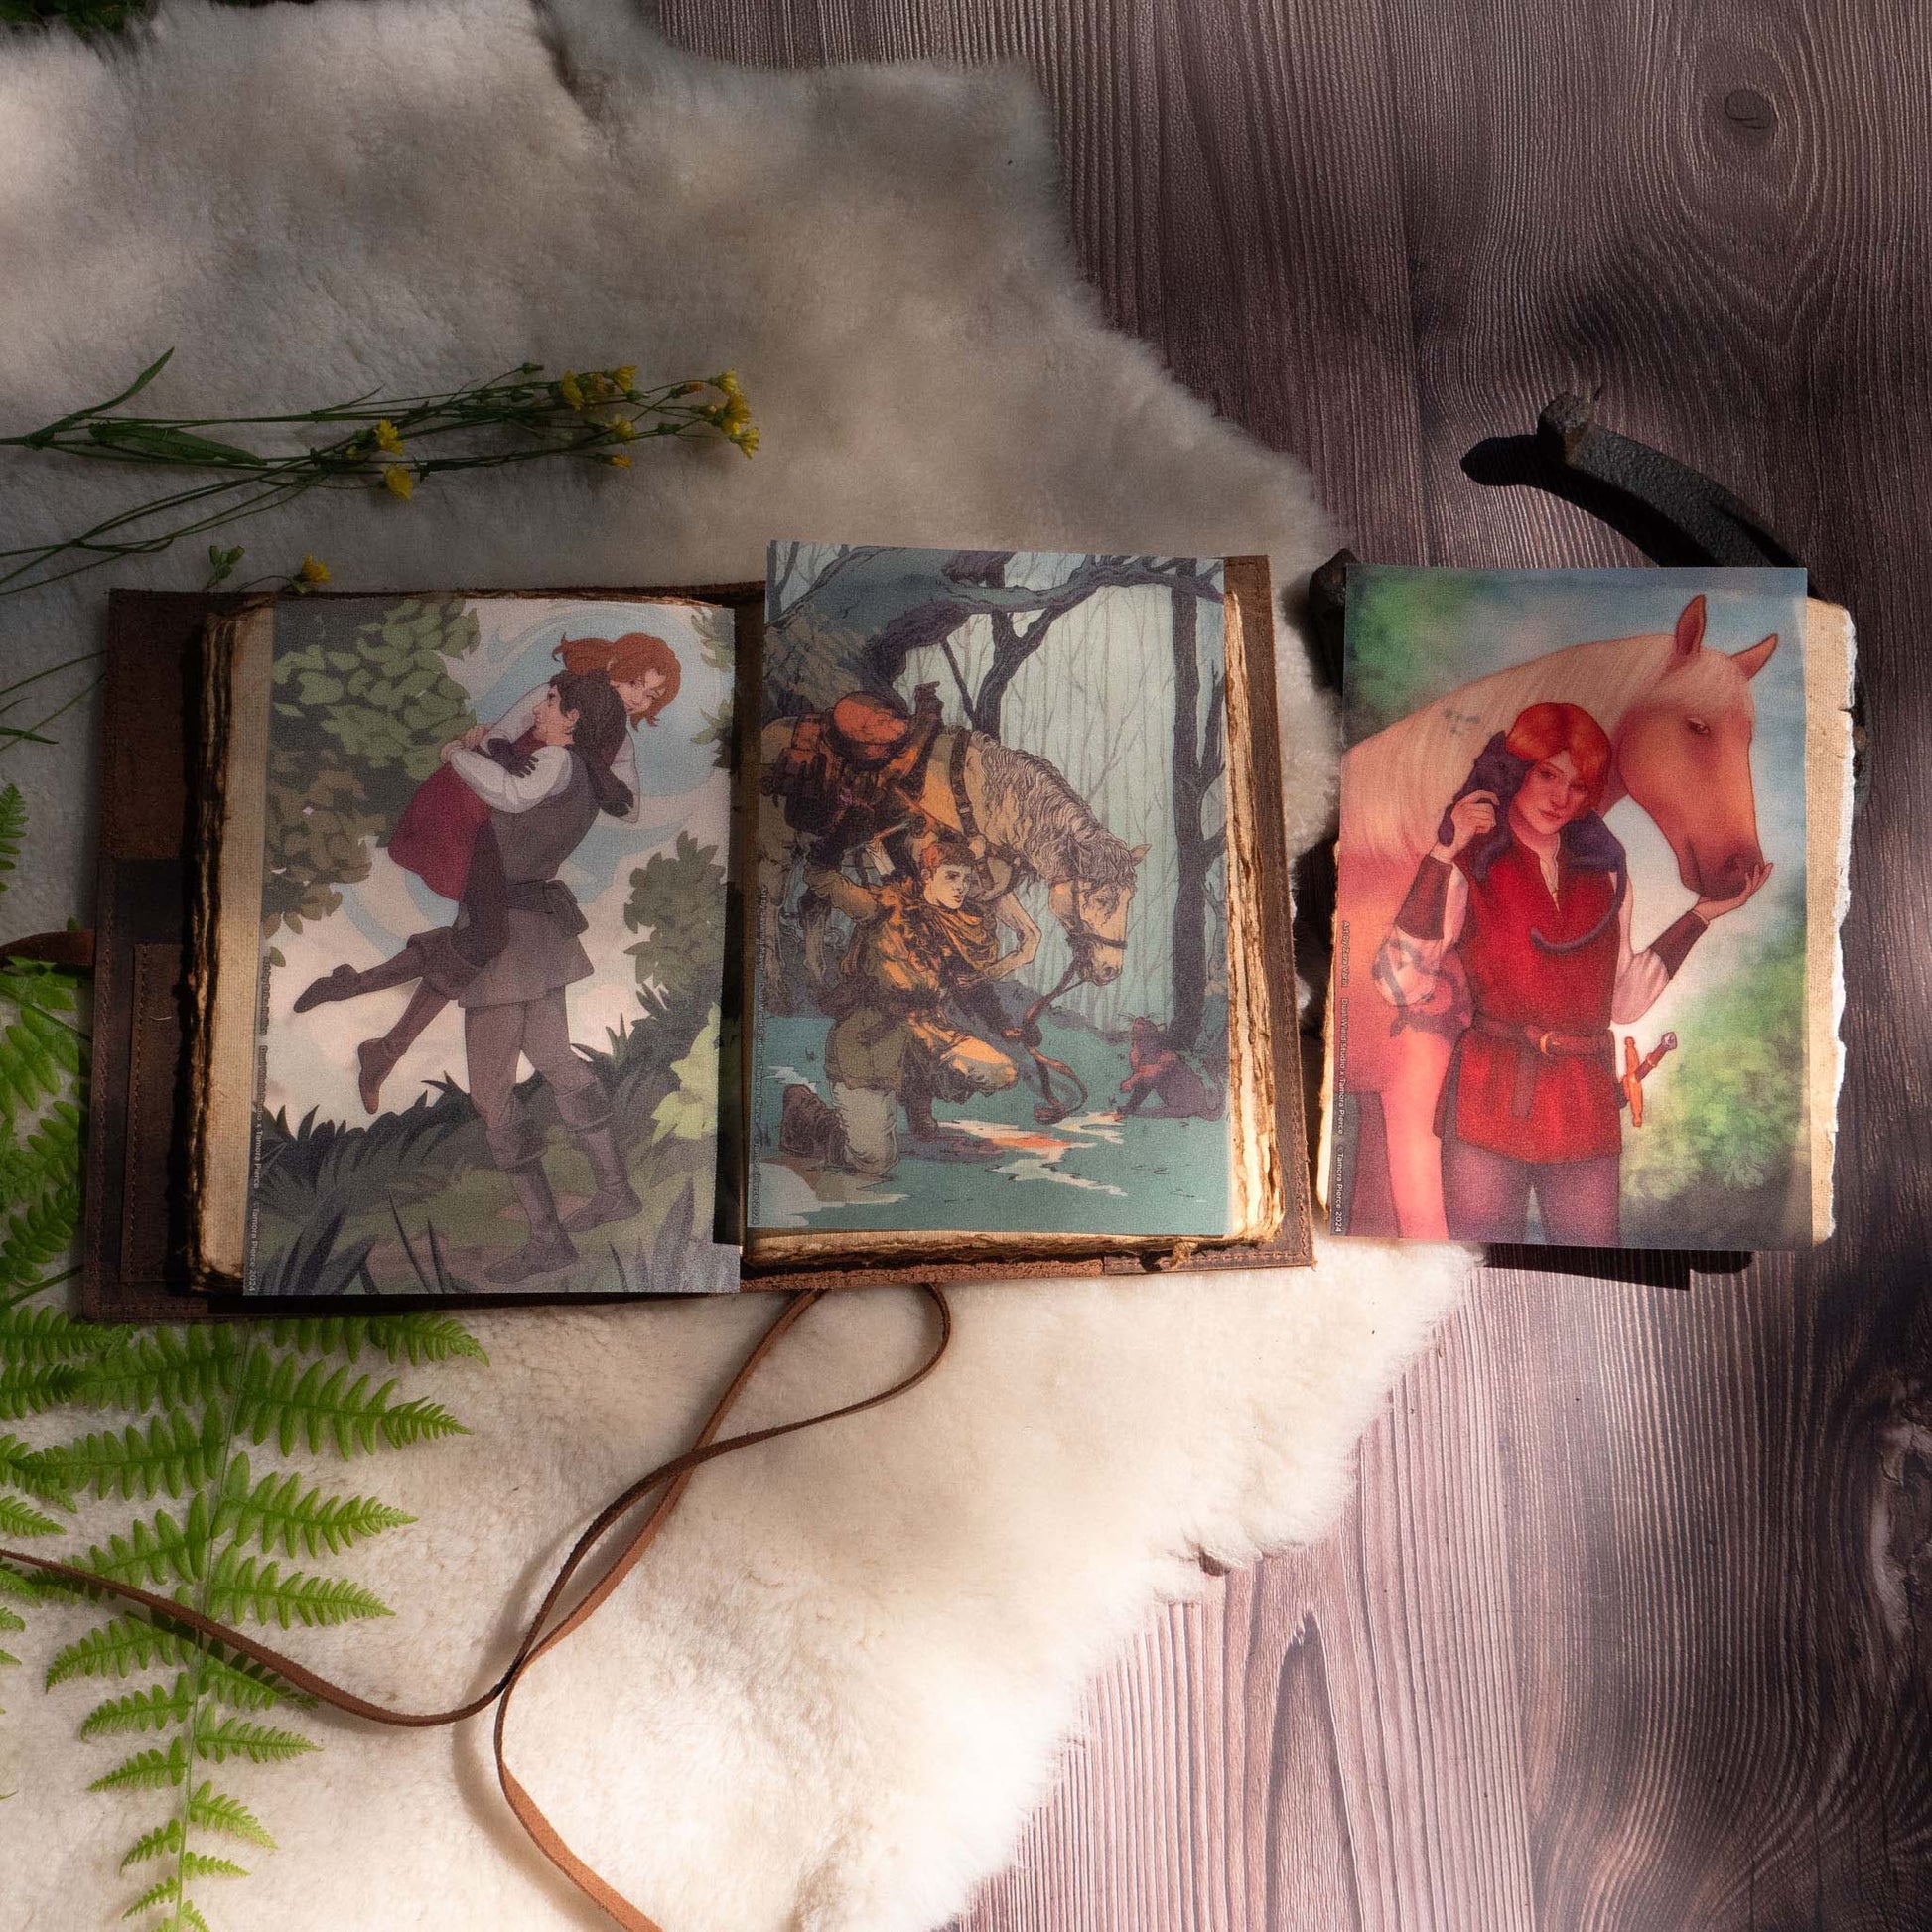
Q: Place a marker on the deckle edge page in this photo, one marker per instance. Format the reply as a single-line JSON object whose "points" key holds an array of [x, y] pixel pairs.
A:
{"points": [[1253, 1191], [1830, 648], [224, 977]]}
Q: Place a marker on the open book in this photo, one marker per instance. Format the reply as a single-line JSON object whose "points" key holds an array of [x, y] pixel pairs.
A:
{"points": [[915, 915]]}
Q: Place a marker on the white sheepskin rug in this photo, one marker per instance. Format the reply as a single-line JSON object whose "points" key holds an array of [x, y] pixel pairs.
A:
{"points": [[833, 1691]]}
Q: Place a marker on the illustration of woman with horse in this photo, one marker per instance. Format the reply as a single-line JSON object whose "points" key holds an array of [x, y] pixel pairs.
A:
{"points": [[445, 836], [1514, 942]]}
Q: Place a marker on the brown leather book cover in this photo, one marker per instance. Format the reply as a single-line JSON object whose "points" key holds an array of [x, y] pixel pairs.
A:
{"points": [[147, 1085]]}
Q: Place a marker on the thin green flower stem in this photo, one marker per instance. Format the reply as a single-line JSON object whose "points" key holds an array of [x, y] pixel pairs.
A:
{"points": [[34, 677], [16, 736]]}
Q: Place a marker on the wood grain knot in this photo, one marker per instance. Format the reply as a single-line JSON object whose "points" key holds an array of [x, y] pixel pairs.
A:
{"points": [[1749, 113]]}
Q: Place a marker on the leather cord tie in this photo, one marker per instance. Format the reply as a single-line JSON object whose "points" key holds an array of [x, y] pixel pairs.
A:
{"points": [[672, 1477]]}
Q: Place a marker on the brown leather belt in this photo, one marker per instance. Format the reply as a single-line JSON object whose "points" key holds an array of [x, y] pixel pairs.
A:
{"points": [[1535, 1045], [1545, 1039]]}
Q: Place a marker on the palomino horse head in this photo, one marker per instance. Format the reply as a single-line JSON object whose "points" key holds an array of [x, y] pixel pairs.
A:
{"points": [[1093, 913], [1684, 755]]}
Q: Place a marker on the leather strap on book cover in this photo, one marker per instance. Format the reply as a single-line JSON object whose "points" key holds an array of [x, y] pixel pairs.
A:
{"points": [[672, 1478]]}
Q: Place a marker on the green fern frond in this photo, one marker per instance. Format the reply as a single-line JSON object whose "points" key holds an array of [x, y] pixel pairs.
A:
{"points": [[50, 1156], [26, 1467], [155, 1708], [175, 1453], [281, 1398], [167, 1893], [21, 1518], [278, 1509], [215, 1811], [121, 1645], [26, 1389], [412, 1338], [129, 1643], [229, 1737], [39, 1231], [187, 1919], [149, 1770], [7, 1622], [167, 1553], [245, 1587], [8, 1658], [33, 1337], [167, 1368], [157, 1844], [40, 1053], [13, 828]]}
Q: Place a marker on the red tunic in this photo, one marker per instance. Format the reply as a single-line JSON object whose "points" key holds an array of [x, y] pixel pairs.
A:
{"points": [[1573, 1113], [437, 832]]}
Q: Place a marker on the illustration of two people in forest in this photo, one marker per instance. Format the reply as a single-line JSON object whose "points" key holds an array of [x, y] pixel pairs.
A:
{"points": [[490, 830]]}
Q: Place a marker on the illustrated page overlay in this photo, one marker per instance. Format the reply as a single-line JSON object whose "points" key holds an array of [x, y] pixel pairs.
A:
{"points": [[493, 921], [1571, 1000], [991, 968]]}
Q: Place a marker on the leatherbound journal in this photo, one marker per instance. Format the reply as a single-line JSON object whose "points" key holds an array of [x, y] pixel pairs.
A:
{"points": [[910, 915]]}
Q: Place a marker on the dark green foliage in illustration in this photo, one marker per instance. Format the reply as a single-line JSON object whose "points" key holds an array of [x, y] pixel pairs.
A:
{"points": [[716, 633], [1396, 627], [362, 716], [674, 900], [1721, 1146]]}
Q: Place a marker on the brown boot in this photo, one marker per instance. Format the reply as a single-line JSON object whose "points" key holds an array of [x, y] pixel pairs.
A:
{"points": [[345, 983], [808, 1127], [615, 1199], [375, 1060], [548, 1247]]}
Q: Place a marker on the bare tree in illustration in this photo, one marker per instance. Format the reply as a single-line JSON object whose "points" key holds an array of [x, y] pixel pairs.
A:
{"points": [[1198, 764]]}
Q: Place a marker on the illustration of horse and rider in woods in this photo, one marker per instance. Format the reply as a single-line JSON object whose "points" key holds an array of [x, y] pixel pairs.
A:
{"points": [[901, 835], [1490, 939]]}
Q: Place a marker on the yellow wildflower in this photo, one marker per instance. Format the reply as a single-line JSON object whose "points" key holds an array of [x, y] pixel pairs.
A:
{"points": [[313, 574], [627, 377], [388, 438], [746, 436], [624, 429], [617, 461], [398, 481], [570, 390]]}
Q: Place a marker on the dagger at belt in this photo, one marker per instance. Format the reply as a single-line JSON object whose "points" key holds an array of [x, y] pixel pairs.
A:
{"points": [[1636, 1071]]}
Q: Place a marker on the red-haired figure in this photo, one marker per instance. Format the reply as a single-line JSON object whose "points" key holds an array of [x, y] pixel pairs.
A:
{"points": [[446, 838], [1515, 939]]}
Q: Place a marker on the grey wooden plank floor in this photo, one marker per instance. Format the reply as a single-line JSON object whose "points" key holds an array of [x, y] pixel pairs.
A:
{"points": [[1627, 1626]]}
